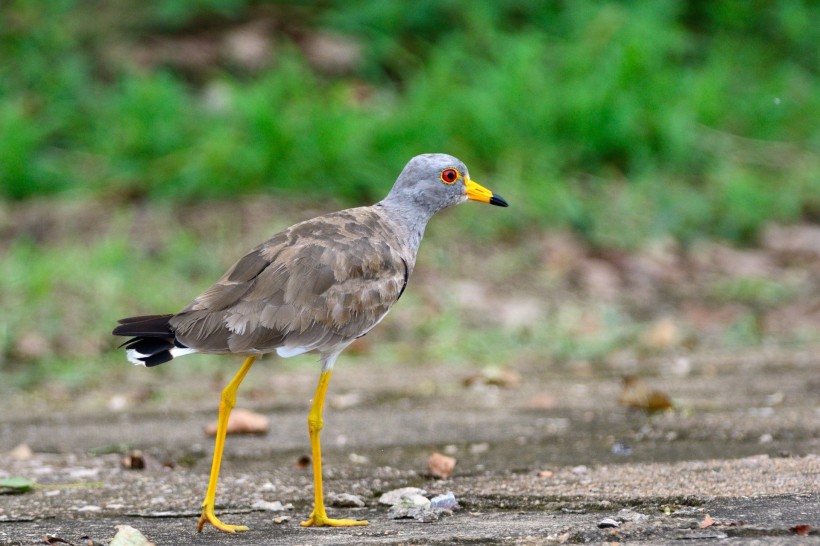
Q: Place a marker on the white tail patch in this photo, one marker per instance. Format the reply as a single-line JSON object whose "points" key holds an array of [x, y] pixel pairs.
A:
{"points": [[134, 356], [182, 351]]}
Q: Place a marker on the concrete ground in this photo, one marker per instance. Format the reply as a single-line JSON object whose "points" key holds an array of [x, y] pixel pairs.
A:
{"points": [[547, 459]]}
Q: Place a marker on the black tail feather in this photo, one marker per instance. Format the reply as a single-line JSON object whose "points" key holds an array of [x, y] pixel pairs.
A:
{"points": [[149, 345], [146, 325], [152, 338]]}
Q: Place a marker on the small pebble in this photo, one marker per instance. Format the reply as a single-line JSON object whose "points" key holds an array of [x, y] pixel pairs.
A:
{"points": [[344, 500], [419, 513], [444, 502], [414, 499], [394, 497], [608, 523]]}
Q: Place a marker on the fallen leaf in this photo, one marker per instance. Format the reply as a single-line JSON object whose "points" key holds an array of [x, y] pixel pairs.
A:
{"points": [[638, 395], [19, 484], [242, 421], [16, 485], [441, 466], [707, 522], [134, 460], [128, 536], [803, 529], [303, 462]]}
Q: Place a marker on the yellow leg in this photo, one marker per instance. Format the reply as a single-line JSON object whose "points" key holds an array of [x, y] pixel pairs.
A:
{"points": [[318, 518], [226, 404]]}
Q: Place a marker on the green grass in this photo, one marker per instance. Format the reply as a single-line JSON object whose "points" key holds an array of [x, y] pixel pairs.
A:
{"points": [[66, 285], [622, 120]]}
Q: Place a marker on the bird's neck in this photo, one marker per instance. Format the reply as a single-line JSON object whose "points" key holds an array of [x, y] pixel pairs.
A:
{"points": [[407, 219]]}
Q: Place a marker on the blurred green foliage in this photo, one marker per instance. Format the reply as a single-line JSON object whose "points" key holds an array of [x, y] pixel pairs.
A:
{"points": [[622, 119]]}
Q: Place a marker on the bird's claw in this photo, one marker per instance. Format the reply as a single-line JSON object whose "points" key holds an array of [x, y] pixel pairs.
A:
{"points": [[321, 520], [208, 516]]}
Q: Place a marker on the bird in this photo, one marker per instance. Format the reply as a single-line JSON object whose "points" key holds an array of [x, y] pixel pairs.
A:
{"points": [[315, 287]]}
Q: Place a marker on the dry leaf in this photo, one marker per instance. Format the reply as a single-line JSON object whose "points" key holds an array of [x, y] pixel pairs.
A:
{"points": [[138, 460], [128, 536], [707, 522], [134, 460], [802, 529], [243, 421], [637, 395], [302, 462], [441, 466], [16, 485]]}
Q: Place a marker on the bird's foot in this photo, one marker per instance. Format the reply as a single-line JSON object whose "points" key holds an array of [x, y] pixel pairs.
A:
{"points": [[208, 516], [321, 520]]}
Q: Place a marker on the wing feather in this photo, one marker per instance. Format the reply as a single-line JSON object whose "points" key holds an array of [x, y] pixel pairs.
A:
{"points": [[318, 284]]}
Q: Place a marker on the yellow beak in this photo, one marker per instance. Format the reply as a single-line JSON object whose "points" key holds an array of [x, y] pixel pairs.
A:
{"points": [[477, 192]]}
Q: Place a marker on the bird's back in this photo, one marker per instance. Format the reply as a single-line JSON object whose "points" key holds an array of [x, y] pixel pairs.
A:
{"points": [[315, 286]]}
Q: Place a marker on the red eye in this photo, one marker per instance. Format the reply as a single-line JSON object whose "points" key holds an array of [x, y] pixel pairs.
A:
{"points": [[448, 176]]}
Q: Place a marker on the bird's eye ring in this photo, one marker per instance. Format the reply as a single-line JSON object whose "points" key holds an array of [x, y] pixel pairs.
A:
{"points": [[449, 176]]}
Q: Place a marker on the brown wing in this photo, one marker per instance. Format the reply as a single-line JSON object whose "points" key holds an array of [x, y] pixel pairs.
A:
{"points": [[317, 285]]}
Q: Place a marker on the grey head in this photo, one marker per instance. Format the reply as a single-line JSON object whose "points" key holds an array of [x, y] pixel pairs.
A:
{"points": [[432, 182]]}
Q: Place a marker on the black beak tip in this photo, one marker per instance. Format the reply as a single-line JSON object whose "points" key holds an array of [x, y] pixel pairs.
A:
{"points": [[498, 201]]}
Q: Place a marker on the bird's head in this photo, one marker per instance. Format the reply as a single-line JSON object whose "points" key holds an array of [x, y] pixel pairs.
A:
{"points": [[437, 181]]}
